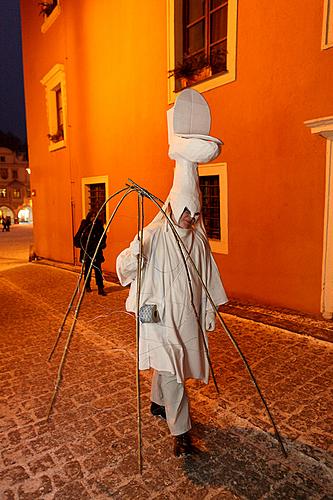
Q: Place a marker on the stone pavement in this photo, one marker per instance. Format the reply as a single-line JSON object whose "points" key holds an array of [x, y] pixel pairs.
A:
{"points": [[88, 449]]}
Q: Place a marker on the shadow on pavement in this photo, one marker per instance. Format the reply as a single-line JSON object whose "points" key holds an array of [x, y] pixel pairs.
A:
{"points": [[250, 464], [113, 288]]}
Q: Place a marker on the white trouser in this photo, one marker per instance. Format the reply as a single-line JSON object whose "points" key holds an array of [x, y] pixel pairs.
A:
{"points": [[166, 391]]}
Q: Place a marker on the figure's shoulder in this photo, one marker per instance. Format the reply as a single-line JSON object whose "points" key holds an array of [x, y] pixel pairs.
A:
{"points": [[153, 229]]}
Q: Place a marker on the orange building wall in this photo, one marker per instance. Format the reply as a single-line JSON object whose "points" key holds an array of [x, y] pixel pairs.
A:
{"points": [[115, 56], [50, 177], [276, 169], [121, 131]]}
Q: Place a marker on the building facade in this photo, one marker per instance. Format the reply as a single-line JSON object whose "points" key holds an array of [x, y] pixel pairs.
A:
{"points": [[99, 78], [15, 196]]}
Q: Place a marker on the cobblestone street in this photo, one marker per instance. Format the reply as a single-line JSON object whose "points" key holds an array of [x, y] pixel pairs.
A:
{"points": [[88, 448]]}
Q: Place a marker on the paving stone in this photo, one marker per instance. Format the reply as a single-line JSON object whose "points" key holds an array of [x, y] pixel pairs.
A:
{"points": [[133, 489], [72, 491], [13, 475], [101, 457], [41, 464], [8, 495], [73, 470], [15, 455], [35, 489]]}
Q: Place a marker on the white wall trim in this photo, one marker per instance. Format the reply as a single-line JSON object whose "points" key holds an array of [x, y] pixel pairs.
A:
{"points": [[55, 77], [49, 20], [327, 279], [321, 126], [327, 29], [324, 127]]}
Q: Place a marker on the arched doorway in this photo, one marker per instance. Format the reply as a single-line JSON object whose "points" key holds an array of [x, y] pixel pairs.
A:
{"points": [[25, 214], [5, 211]]}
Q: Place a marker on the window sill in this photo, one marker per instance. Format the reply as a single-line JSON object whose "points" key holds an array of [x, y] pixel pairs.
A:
{"points": [[54, 146], [327, 46], [49, 20], [202, 76], [217, 246], [203, 85]]}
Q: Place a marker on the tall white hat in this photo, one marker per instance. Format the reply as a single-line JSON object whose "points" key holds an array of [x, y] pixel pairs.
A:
{"points": [[189, 144], [190, 117]]}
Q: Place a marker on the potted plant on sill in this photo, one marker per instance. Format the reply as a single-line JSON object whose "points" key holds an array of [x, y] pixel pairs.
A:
{"points": [[218, 61], [197, 68], [191, 70]]}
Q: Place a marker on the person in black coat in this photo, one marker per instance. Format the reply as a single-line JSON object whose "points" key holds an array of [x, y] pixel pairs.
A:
{"points": [[87, 249]]}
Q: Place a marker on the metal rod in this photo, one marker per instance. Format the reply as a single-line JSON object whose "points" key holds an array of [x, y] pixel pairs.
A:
{"points": [[66, 314], [70, 334], [86, 255], [138, 295]]}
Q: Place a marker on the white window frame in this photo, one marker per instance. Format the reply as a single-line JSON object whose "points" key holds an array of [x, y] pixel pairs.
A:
{"points": [[220, 169], [324, 128], [85, 183], [51, 81], [215, 81], [327, 32], [49, 20]]}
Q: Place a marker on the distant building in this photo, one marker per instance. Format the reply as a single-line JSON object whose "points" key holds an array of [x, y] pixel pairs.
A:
{"points": [[99, 79], [15, 196]]}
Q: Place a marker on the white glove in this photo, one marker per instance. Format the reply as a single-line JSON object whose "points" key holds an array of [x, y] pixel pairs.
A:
{"points": [[210, 321]]}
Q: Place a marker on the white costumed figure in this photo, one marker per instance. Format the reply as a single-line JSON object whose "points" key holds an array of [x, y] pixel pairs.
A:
{"points": [[171, 340]]}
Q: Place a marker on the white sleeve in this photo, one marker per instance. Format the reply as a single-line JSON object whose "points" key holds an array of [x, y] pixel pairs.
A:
{"points": [[126, 266], [127, 262]]}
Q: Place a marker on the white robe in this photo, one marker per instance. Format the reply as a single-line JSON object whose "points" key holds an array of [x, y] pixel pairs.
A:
{"points": [[173, 344]]}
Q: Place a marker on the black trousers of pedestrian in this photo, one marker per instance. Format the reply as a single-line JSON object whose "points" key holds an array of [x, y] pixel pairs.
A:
{"points": [[98, 274]]}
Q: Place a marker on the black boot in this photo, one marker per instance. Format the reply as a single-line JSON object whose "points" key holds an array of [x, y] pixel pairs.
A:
{"points": [[101, 291], [183, 445], [88, 289], [157, 410]]}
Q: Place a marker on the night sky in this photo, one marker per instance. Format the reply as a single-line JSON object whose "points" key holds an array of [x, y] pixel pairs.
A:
{"points": [[12, 113]]}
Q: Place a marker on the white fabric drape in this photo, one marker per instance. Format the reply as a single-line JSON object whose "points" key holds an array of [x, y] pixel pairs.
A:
{"points": [[174, 344]]}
